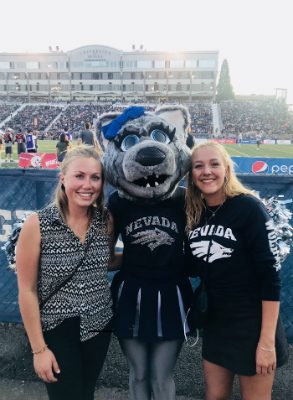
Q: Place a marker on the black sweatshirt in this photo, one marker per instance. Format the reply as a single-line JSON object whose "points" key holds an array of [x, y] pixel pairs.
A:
{"points": [[238, 247]]}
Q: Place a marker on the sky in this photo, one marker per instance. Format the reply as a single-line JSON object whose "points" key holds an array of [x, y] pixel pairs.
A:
{"points": [[255, 36]]}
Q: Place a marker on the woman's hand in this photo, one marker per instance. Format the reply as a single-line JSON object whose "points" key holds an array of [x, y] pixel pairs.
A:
{"points": [[45, 363], [265, 361]]}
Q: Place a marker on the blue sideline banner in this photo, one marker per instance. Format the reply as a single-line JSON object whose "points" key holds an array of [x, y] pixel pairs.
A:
{"points": [[263, 165]]}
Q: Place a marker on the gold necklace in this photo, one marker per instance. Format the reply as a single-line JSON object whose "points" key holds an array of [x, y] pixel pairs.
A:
{"points": [[212, 212]]}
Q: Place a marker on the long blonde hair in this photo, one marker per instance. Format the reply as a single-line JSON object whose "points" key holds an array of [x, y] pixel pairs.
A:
{"points": [[61, 199], [231, 188]]}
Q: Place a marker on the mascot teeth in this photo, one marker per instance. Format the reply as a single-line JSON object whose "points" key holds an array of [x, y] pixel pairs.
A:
{"points": [[150, 181]]}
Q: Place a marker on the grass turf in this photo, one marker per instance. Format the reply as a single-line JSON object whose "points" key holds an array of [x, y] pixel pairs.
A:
{"points": [[246, 150]]}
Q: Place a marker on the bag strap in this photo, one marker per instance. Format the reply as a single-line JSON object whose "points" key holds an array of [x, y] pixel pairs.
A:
{"points": [[62, 284]]}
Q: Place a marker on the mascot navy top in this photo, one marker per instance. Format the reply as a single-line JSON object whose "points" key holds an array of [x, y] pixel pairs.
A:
{"points": [[145, 158]]}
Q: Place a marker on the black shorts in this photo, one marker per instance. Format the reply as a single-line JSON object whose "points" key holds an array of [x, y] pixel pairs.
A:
{"points": [[61, 157], [31, 150], [8, 149], [231, 336]]}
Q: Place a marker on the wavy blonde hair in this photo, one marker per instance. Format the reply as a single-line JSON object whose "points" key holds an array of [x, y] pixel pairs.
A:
{"points": [[60, 197], [231, 188]]}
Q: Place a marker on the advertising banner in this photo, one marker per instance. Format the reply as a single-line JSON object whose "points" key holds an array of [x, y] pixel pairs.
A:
{"points": [[263, 165], [279, 141], [44, 160], [269, 141], [224, 141]]}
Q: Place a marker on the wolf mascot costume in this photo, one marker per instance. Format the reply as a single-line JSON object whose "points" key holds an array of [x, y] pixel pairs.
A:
{"points": [[145, 157]]}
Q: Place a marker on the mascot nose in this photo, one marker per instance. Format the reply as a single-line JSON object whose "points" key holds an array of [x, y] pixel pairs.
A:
{"points": [[150, 156]]}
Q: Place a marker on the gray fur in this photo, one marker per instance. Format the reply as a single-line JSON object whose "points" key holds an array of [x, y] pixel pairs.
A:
{"points": [[124, 168], [104, 119], [184, 111]]}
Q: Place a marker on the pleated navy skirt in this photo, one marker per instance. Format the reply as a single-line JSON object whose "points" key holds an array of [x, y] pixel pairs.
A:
{"points": [[150, 305]]}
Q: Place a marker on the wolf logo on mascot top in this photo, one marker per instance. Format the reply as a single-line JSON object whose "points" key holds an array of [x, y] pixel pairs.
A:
{"points": [[145, 154]]}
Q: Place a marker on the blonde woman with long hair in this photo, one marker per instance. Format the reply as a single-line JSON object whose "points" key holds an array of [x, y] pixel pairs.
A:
{"points": [[64, 297], [231, 237]]}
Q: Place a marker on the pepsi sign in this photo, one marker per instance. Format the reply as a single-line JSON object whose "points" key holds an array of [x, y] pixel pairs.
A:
{"points": [[260, 166], [263, 165]]}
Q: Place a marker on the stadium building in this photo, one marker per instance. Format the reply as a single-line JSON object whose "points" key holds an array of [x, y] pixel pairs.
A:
{"points": [[98, 72]]}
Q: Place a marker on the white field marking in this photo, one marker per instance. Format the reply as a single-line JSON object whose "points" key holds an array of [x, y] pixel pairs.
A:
{"points": [[281, 151], [232, 148]]}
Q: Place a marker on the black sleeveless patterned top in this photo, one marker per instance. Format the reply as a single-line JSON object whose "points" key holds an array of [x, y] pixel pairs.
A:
{"points": [[87, 294]]}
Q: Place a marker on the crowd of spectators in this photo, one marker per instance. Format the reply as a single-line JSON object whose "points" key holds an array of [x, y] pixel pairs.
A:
{"points": [[25, 118], [6, 110], [269, 118], [75, 117], [201, 118]]}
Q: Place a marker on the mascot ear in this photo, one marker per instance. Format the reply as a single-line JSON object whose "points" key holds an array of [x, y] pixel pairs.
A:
{"points": [[103, 120], [178, 116]]}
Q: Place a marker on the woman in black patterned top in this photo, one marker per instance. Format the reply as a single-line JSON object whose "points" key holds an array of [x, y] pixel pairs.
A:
{"points": [[70, 335]]}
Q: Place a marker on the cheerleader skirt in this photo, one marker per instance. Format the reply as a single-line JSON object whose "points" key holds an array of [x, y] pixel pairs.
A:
{"points": [[150, 305]]}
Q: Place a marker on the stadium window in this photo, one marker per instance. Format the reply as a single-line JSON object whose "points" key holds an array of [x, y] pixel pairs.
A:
{"points": [[176, 64], [197, 74], [159, 64], [207, 63], [191, 63], [144, 64], [207, 75], [5, 65], [110, 75], [20, 65], [12, 65], [91, 87], [86, 75], [32, 65]]}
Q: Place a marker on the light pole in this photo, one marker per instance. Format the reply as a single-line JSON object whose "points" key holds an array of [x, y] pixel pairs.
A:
{"points": [[28, 87], [70, 88]]}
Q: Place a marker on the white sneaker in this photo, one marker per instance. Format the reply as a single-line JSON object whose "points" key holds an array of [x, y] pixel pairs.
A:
{"points": [[11, 160], [6, 159]]}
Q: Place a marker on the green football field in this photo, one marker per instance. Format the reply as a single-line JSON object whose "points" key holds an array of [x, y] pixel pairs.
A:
{"points": [[246, 150]]}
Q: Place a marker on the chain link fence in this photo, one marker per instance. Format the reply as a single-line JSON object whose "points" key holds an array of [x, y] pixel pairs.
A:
{"points": [[32, 189]]}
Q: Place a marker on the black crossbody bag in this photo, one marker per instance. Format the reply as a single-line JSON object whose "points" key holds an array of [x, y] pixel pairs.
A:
{"points": [[62, 284]]}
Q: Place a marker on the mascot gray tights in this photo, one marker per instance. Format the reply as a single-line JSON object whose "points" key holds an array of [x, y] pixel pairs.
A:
{"points": [[145, 158]]}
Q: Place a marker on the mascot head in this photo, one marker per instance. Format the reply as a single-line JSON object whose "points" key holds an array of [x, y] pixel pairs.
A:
{"points": [[145, 154]]}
